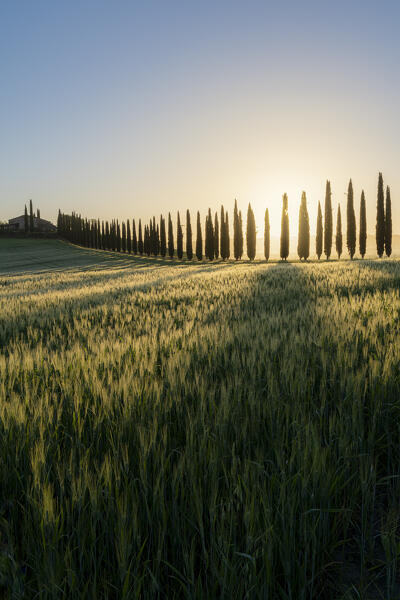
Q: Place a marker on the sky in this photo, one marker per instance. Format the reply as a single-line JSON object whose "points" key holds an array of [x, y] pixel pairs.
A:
{"points": [[118, 109]]}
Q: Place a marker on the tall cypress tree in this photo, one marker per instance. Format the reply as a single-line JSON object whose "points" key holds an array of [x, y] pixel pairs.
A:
{"points": [[107, 236], [227, 237], [319, 234], [151, 237], [222, 234], [140, 241], [380, 218], [31, 225], [179, 238], [118, 237], [339, 236], [267, 240], [285, 229], [303, 243], [99, 240], [199, 239], [216, 236], [123, 237], [240, 234], [128, 237], [134, 238], [163, 238], [146, 240], [189, 243], [207, 241], [363, 226], [388, 223], [26, 222], [236, 232], [250, 234], [171, 249], [103, 237], [157, 240], [328, 229], [351, 222], [209, 245]]}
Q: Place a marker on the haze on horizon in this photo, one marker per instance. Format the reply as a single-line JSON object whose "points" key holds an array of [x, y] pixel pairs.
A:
{"points": [[131, 110]]}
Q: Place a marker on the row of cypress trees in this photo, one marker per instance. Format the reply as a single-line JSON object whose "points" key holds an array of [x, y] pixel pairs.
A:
{"points": [[324, 233], [158, 238]]}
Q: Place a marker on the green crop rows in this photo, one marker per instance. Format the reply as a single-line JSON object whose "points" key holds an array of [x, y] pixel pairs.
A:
{"points": [[199, 431]]}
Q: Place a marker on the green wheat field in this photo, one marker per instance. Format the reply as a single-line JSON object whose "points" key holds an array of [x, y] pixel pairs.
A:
{"points": [[197, 431]]}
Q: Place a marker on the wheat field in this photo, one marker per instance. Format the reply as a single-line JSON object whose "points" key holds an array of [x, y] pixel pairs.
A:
{"points": [[173, 430]]}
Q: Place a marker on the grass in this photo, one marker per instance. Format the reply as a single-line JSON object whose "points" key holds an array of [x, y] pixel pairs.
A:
{"points": [[197, 431]]}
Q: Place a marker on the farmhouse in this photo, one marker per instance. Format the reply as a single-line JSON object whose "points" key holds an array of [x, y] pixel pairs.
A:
{"points": [[18, 224]]}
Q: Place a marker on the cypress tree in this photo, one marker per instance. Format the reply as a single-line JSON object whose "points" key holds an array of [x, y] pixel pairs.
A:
{"points": [[236, 232], [31, 225], [140, 242], [118, 237], [150, 238], [251, 234], [351, 222], [189, 243], [380, 219], [216, 236], [319, 234], [267, 241], [107, 236], [363, 226], [328, 229], [209, 244], [157, 240], [170, 237], [134, 238], [163, 238], [128, 237], [99, 239], [103, 240], [199, 239], [388, 223], [207, 238], [146, 240], [26, 222], [222, 244], [222, 235], [339, 237], [303, 243], [240, 235], [285, 228], [179, 238], [227, 237], [123, 237]]}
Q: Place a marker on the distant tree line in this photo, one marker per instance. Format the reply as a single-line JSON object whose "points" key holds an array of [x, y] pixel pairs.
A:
{"points": [[156, 238]]}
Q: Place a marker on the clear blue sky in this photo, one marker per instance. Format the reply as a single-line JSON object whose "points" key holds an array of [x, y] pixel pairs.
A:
{"points": [[123, 109]]}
